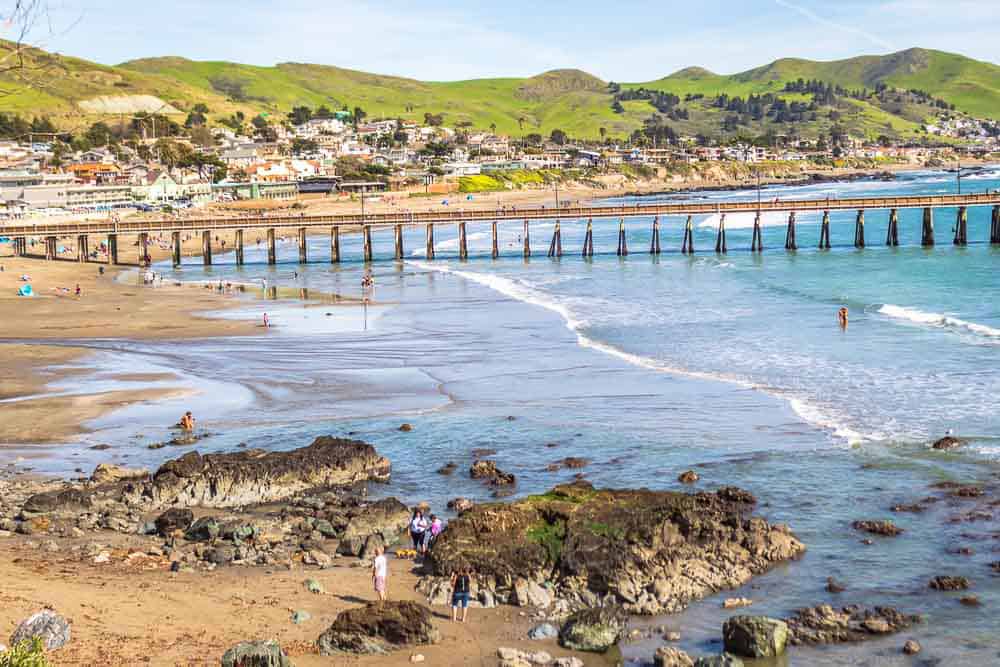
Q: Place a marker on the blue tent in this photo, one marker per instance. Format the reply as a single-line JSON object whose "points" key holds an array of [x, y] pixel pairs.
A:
{"points": [[25, 290]]}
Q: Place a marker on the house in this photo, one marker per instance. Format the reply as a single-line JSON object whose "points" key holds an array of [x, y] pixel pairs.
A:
{"points": [[239, 158], [96, 173]]}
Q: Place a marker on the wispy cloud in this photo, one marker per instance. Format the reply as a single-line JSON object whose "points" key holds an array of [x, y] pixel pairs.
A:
{"points": [[816, 18]]}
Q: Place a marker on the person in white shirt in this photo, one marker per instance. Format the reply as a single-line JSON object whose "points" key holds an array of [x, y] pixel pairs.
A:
{"points": [[380, 573]]}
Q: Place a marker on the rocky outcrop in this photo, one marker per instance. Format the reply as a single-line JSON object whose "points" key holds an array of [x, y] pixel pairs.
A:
{"points": [[947, 442], [173, 519], [594, 630], [379, 627], [489, 472], [256, 654], [688, 477], [108, 473], [949, 583], [755, 636], [386, 518], [253, 476], [881, 527], [648, 551], [52, 629], [825, 625], [668, 656]]}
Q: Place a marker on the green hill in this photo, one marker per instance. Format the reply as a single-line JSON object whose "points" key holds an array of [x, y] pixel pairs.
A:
{"points": [[74, 91]]}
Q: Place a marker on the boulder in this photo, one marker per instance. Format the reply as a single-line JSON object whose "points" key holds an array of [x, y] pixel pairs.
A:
{"points": [[651, 552], [724, 660], [755, 636], [948, 583], [911, 647], [530, 594], [406, 428], [379, 627], [251, 477], [256, 654], [71, 499], [595, 630], [204, 529], [543, 631], [387, 518], [881, 527], [52, 629], [488, 471], [834, 586], [460, 505], [174, 519], [109, 473], [823, 624], [669, 656], [947, 442], [688, 477], [448, 468]]}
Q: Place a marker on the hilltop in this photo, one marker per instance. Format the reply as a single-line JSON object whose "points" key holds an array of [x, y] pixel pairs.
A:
{"points": [[75, 91]]}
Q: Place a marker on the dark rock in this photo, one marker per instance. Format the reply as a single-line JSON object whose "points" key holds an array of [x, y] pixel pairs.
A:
{"points": [[253, 476], [220, 555], [670, 656], [755, 636], [51, 628], [834, 586], [480, 453], [650, 551], [575, 462], [100, 448], [736, 495], [967, 492], [724, 660], [174, 519], [882, 527], [911, 647], [405, 428], [825, 625], [995, 566], [970, 600], [688, 477], [256, 654], [947, 442], [948, 583], [204, 529], [448, 468], [50, 501], [379, 627], [488, 470], [594, 630], [460, 504], [387, 518]]}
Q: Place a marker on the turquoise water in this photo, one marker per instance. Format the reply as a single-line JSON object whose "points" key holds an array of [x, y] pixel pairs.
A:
{"points": [[733, 365]]}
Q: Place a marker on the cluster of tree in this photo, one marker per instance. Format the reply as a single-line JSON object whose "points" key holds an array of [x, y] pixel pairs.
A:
{"points": [[302, 114], [655, 132], [354, 169], [828, 94], [664, 102], [13, 126]]}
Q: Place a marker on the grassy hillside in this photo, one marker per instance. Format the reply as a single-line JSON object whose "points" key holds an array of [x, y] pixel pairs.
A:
{"points": [[571, 100]]}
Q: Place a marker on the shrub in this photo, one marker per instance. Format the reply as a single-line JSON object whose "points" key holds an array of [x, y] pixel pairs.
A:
{"points": [[25, 654]]}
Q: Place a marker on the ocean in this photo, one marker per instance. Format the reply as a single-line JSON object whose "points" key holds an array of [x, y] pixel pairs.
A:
{"points": [[733, 365]]}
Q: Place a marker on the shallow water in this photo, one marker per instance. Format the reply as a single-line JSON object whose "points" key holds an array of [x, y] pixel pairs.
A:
{"points": [[733, 365]]}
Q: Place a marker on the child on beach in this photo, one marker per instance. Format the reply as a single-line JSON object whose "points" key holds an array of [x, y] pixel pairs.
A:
{"points": [[380, 573], [435, 528]]}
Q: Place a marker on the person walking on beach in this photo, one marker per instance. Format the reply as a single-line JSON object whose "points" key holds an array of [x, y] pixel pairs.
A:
{"points": [[418, 526], [380, 573], [461, 585], [267, 322]]}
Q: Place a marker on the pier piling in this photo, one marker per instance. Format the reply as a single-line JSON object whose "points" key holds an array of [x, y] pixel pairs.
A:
{"points": [[720, 237], [367, 243], [272, 251], [892, 234], [824, 232], [588, 239], [303, 248], [757, 240], [463, 242], [994, 227], [399, 242], [859, 230], [143, 248], [239, 247], [429, 249], [175, 245], [555, 247], [687, 245], [81, 248], [961, 227], [335, 245], [50, 247], [527, 241], [790, 243], [927, 232], [206, 247], [622, 241], [112, 249], [495, 250], [654, 243]]}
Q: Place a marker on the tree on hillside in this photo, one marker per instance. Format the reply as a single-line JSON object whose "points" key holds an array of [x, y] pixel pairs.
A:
{"points": [[558, 137], [323, 112], [300, 115], [99, 134], [202, 136], [434, 120], [493, 128], [359, 115], [302, 146], [603, 131]]}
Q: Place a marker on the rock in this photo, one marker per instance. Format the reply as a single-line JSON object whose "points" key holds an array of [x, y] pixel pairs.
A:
{"points": [[251, 476], [724, 660], [736, 495], [405, 428], [651, 552], [755, 636], [102, 557], [387, 518], [379, 627], [947, 442], [256, 654], [319, 558], [300, 616], [834, 586], [489, 471], [223, 555], [823, 624], [672, 636], [543, 631], [204, 529], [595, 630], [173, 519], [911, 647], [52, 629], [530, 594], [486, 598], [573, 462], [734, 603], [947, 583], [109, 473], [313, 586], [417, 657], [668, 656], [970, 600], [571, 661], [460, 505], [688, 477], [448, 468], [49, 501], [883, 527]]}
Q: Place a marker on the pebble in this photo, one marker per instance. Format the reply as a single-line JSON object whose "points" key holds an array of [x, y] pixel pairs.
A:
{"points": [[103, 557]]}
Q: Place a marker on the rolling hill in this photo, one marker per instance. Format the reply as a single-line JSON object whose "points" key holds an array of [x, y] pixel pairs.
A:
{"points": [[74, 91]]}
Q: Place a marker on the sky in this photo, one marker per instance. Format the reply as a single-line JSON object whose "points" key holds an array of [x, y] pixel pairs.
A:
{"points": [[622, 40]]}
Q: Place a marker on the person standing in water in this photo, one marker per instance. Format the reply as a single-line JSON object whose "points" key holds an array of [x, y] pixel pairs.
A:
{"points": [[842, 317], [267, 322]]}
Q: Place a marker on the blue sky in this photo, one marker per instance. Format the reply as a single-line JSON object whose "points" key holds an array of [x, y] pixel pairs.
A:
{"points": [[627, 40]]}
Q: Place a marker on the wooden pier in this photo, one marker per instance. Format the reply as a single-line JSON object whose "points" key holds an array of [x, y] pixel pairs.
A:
{"points": [[396, 222]]}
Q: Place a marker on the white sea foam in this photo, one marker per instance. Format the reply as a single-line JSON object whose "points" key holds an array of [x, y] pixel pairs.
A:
{"points": [[521, 291], [767, 219], [924, 318]]}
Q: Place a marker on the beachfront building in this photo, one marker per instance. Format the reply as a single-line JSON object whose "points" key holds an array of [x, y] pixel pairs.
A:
{"points": [[255, 190]]}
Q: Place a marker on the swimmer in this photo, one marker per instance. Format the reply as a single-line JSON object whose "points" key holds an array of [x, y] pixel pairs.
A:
{"points": [[842, 317]]}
